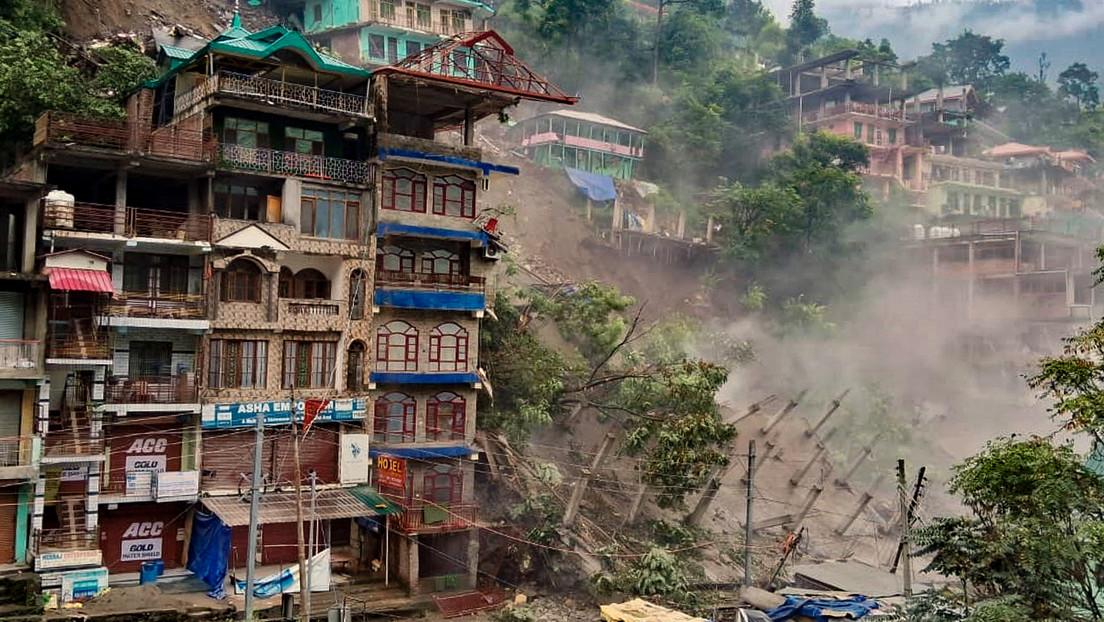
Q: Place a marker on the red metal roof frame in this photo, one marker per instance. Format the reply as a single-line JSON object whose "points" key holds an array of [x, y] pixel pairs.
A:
{"points": [[495, 67], [78, 280]]}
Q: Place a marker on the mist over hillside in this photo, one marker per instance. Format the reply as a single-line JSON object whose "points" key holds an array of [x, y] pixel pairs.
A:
{"points": [[1067, 30]]}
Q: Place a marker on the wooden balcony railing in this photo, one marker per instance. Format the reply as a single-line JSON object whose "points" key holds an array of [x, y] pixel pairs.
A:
{"points": [[288, 163], [72, 444], [313, 308], [167, 306], [72, 346], [129, 221], [61, 128], [20, 354], [452, 516], [63, 540], [884, 112], [19, 450], [396, 17], [178, 389], [417, 280]]}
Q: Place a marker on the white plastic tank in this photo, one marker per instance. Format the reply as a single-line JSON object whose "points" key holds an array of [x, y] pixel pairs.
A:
{"points": [[59, 210], [918, 232]]}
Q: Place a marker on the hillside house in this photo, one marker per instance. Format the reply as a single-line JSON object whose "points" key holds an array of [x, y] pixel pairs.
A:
{"points": [[582, 140]]}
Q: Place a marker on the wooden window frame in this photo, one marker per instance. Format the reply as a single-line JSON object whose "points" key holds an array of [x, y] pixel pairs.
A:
{"points": [[348, 221], [238, 285], [455, 485], [388, 338], [448, 338], [444, 205], [227, 362], [416, 196], [429, 261], [309, 364], [457, 428], [381, 424], [405, 258]]}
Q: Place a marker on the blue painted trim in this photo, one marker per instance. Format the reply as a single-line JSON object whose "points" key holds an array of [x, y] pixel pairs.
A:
{"points": [[486, 167], [394, 228], [429, 300], [391, 377], [455, 451]]}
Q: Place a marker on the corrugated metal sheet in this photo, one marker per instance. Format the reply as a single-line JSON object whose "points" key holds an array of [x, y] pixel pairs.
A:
{"points": [[9, 498], [73, 280], [280, 507], [11, 315]]}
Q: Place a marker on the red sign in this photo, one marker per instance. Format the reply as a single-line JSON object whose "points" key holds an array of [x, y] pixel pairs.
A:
{"points": [[391, 472], [310, 410]]}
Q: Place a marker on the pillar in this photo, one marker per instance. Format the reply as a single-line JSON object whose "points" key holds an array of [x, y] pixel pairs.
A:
{"points": [[680, 228], [92, 502], [43, 410], [37, 511], [22, 536], [473, 558], [709, 230], [120, 202], [617, 216]]}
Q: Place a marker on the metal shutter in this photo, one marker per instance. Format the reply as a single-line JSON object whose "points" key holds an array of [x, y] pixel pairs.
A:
{"points": [[9, 498], [11, 315], [318, 451], [11, 411], [226, 455]]}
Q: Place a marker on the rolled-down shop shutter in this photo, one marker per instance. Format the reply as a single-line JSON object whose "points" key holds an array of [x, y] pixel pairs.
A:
{"points": [[318, 451], [140, 525], [141, 441], [11, 411], [11, 315], [227, 455], [9, 498]]}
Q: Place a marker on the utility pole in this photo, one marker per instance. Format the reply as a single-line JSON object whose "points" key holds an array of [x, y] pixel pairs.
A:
{"points": [[747, 518], [584, 481], [917, 490], [310, 538], [902, 497], [254, 510], [304, 594]]}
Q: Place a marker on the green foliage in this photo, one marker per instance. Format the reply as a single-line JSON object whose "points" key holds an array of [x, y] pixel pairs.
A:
{"points": [[515, 614], [1075, 381], [805, 28], [656, 573], [808, 318], [540, 517], [969, 58], [123, 69], [1078, 82], [589, 316], [754, 298], [933, 606]]}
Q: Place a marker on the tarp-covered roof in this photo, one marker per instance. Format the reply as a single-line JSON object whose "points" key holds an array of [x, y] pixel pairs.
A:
{"points": [[596, 187], [1015, 150]]}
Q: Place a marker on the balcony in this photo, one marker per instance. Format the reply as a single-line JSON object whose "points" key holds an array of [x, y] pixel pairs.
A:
{"points": [[72, 445], [91, 349], [313, 314], [272, 93], [390, 17], [20, 358], [270, 161], [68, 130], [882, 112], [19, 457], [422, 518], [433, 282], [157, 390], [163, 310], [129, 222]]}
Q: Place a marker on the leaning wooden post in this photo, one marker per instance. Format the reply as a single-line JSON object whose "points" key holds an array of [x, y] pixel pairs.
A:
{"points": [[781, 414], [800, 474], [583, 482], [810, 501], [695, 516], [863, 502], [831, 411]]}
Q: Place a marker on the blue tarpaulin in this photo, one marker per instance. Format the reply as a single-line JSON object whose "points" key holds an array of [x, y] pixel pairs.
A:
{"points": [[209, 552], [815, 608], [596, 187]]}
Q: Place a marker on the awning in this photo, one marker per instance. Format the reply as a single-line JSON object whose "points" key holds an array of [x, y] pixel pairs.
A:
{"points": [[451, 451], [596, 187], [74, 280], [280, 507]]}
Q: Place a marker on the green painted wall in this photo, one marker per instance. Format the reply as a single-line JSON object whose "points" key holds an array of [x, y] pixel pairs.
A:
{"points": [[557, 155], [405, 43], [333, 13], [22, 518]]}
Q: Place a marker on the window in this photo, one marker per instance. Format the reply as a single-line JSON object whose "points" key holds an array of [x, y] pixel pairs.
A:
{"points": [[454, 196], [448, 348], [354, 366], [287, 283], [413, 47], [892, 136], [237, 201], [870, 133], [445, 417], [395, 414], [307, 283], [309, 364], [395, 259], [404, 190], [387, 9], [317, 13], [443, 485], [241, 282], [459, 62], [237, 364], [154, 275], [149, 359], [397, 347], [375, 46], [392, 50], [441, 262], [858, 130], [246, 133], [423, 19], [458, 18], [446, 19], [330, 213], [305, 142], [358, 288]]}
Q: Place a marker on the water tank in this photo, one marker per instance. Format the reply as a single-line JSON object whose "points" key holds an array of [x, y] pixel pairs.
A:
{"points": [[918, 232], [59, 210]]}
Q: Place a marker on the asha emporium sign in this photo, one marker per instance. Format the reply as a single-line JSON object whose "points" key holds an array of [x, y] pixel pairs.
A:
{"points": [[244, 415]]}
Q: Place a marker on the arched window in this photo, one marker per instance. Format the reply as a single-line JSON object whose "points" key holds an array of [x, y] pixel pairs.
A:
{"points": [[445, 417], [443, 484], [441, 263], [395, 260], [241, 282], [354, 366], [404, 190], [310, 283], [395, 414], [397, 347], [286, 283], [454, 196], [358, 289], [448, 348]]}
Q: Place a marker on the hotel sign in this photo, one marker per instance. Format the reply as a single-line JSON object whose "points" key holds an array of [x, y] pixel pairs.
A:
{"points": [[244, 415], [391, 472]]}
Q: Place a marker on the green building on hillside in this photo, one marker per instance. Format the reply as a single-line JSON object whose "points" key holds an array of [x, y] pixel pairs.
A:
{"points": [[584, 141], [383, 32]]}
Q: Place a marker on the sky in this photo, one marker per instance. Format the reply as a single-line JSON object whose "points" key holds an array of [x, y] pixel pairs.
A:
{"points": [[1067, 30]]}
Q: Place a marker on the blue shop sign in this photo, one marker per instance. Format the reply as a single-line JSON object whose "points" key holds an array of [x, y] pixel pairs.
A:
{"points": [[244, 415]]}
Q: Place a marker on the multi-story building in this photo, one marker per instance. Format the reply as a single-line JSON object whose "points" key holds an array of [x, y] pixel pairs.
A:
{"points": [[382, 32], [582, 140], [249, 245]]}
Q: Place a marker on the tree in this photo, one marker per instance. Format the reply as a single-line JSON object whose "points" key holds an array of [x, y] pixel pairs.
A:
{"points": [[754, 220], [967, 59], [805, 28], [1079, 83]]}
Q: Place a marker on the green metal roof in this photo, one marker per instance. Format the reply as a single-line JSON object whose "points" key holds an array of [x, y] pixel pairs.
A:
{"points": [[238, 41], [175, 52], [373, 499]]}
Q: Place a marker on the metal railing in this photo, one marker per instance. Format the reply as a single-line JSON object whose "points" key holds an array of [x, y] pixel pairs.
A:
{"points": [[884, 112], [178, 389], [171, 141], [162, 305], [20, 354], [279, 91], [287, 163], [428, 281], [18, 450], [453, 516], [72, 443], [128, 221]]}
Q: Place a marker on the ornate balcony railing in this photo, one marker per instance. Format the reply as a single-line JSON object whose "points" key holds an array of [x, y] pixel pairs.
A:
{"points": [[272, 92], [288, 163], [167, 306], [416, 280], [178, 389], [61, 540], [20, 355], [314, 308], [129, 221]]}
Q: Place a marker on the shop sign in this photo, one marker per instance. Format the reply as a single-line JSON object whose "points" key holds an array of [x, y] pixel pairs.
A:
{"points": [[176, 486], [138, 483], [74, 474], [391, 472], [354, 459], [67, 559], [80, 584], [244, 415], [144, 543]]}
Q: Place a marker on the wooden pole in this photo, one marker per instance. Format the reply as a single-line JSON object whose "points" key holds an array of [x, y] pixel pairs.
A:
{"points": [[581, 485], [781, 414], [831, 411], [902, 497], [304, 594], [863, 502], [712, 486], [800, 474], [747, 518], [634, 509]]}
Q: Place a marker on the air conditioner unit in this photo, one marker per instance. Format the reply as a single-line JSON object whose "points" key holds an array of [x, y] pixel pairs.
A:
{"points": [[491, 253]]}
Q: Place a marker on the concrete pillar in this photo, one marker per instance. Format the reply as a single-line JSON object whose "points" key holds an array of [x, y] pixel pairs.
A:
{"points": [[469, 127], [970, 280], [617, 215], [43, 411], [30, 228], [92, 503], [680, 228], [120, 202], [473, 558], [194, 206], [38, 510], [709, 229]]}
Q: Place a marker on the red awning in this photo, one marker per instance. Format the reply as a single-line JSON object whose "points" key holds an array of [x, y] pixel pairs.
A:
{"points": [[74, 280]]}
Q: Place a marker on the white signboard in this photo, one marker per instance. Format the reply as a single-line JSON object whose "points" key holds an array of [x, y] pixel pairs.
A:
{"points": [[176, 485], [68, 559], [142, 541], [75, 474], [147, 464], [138, 483], [354, 459]]}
